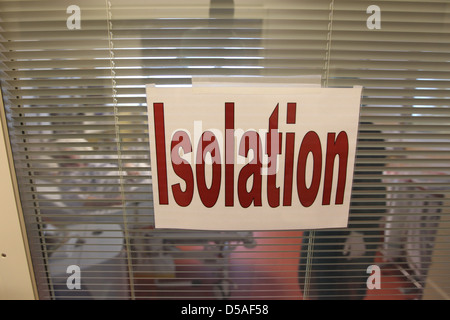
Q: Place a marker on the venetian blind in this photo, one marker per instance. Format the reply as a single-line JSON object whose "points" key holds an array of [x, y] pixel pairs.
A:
{"points": [[76, 109]]}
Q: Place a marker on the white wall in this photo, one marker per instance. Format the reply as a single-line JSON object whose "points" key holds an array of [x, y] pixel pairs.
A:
{"points": [[15, 276]]}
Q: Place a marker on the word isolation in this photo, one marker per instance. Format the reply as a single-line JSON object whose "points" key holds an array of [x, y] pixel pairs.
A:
{"points": [[247, 184]]}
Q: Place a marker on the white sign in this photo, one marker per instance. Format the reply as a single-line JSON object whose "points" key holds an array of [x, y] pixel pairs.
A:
{"points": [[252, 158]]}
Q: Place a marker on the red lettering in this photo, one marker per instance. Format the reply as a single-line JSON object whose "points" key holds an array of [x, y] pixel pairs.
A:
{"points": [[335, 147], [273, 149], [208, 176], [291, 113], [182, 169], [208, 144], [288, 169], [250, 141], [310, 143], [229, 154], [160, 145]]}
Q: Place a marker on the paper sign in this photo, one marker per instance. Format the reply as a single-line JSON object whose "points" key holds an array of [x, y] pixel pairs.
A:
{"points": [[252, 158]]}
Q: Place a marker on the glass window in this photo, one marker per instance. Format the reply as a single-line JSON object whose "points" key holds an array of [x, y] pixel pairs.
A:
{"points": [[73, 79]]}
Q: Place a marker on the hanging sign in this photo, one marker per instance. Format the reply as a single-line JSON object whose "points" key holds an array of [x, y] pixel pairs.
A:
{"points": [[252, 158]]}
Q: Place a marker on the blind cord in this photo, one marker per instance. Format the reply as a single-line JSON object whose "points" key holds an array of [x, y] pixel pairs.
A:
{"points": [[326, 75], [118, 143], [310, 253], [326, 67]]}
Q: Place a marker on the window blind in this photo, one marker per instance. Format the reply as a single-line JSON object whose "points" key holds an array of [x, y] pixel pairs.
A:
{"points": [[76, 112]]}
